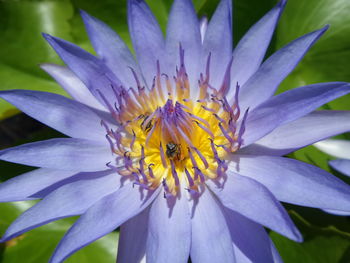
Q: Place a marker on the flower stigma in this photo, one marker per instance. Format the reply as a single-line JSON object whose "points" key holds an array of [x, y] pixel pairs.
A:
{"points": [[166, 136]]}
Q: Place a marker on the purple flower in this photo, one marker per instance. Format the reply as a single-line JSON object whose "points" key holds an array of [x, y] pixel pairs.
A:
{"points": [[181, 149]]}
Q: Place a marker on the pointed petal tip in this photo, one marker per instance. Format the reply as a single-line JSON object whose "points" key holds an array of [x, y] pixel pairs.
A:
{"points": [[44, 66], [6, 237], [325, 28], [319, 32], [135, 2], [298, 237], [83, 12], [45, 35], [51, 39], [292, 232], [55, 40], [282, 3], [4, 92], [86, 16]]}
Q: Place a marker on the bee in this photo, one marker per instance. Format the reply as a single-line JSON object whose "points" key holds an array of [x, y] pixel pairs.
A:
{"points": [[173, 150], [149, 124]]}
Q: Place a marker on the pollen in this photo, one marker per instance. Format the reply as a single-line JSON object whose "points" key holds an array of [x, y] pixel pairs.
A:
{"points": [[166, 137]]}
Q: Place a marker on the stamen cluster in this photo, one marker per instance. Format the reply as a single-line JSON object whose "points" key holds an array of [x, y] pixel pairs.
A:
{"points": [[168, 139]]}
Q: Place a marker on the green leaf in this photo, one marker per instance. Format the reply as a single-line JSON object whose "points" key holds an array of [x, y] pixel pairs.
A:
{"points": [[113, 13], [321, 245], [38, 245], [18, 130], [10, 211], [161, 11], [246, 13], [14, 78], [205, 7], [22, 47], [22, 22], [313, 156], [329, 59]]}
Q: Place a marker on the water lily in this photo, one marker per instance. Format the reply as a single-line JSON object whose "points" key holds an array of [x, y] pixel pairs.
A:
{"points": [[181, 147]]}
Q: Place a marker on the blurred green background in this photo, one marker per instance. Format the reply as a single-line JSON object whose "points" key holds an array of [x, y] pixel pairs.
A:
{"points": [[22, 49]]}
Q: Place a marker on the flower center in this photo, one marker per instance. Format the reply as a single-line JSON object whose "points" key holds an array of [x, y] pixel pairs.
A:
{"points": [[174, 138]]}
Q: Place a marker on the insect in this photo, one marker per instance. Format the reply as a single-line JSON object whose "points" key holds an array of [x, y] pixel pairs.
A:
{"points": [[149, 123], [173, 150]]}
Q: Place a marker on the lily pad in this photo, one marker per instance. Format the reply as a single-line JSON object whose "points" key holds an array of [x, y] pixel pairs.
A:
{"points": [[322, 245], [329, 59], [38, 245], [22, 47]]}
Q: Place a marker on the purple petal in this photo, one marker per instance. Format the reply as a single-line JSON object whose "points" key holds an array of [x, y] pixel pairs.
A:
{"points": [[89, 69], [263, 84], [203, 26], [341, 165], [254, 201], [295, 182], [76, 177], [250, 240], [22, 187], [169, 230], [250, 51], [102, 218], [218, 42], [61, 154], [133, 238], [276, 256], [211, 238], [336, 212], [307, 130], [289, 106], [147, 38], [72, 84], [68, 200], [65, 115], [336, 148], [111, 48], [183, 13]]}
